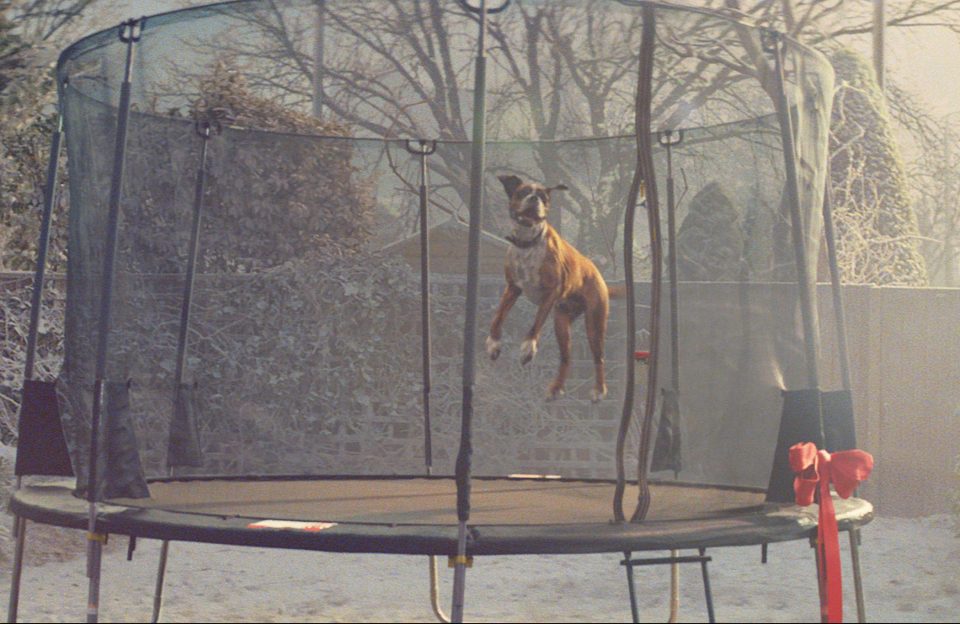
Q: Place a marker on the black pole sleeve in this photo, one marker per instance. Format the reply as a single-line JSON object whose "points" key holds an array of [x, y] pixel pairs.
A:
{"points": [[425, 341], [835, 284], [43, 244], [804, 280], [643, 179], [187, 300], [109, 262], [645, 162], [672, 268], [465, 453]]}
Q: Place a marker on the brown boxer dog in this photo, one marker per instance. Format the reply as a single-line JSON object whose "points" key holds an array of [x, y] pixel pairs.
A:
{"points": [[556, 277]]}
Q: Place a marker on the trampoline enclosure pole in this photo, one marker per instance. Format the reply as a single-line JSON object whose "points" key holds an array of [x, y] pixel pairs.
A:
{"points": [[204, 130], [670, 139], [129, 34], [424, 149], [835, 283], [774, 44], [43, 244], [649, 174], [477, 165], [425, 311], [49, 199], [633, 196], [644, 181]]}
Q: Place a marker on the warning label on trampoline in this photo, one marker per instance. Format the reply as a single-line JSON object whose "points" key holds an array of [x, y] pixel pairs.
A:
{"points": [[291, 525]]}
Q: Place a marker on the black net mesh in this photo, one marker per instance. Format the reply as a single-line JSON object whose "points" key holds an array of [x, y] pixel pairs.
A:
{"points": [[303, 343]]}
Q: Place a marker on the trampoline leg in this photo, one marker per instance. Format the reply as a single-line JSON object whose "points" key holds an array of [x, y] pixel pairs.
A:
{"points": [[706, 585], [459, 574], [20, 526], [161, 574], [435, 591], [857, 578], [632, 589], [674, 588], [94, 556]]}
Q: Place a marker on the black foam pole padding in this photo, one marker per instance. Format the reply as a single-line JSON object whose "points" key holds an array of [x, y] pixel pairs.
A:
{"points": [[666, 448], [838, 423], [41, 446], [183, 445], [123, 476], [799, 422]]}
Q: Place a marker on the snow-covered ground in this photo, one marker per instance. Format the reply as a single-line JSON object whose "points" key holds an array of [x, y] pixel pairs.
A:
{"points": [[911, 574]]}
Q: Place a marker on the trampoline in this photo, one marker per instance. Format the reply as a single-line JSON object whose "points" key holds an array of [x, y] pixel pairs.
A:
{"points": [[287, 237], [416, 515]]}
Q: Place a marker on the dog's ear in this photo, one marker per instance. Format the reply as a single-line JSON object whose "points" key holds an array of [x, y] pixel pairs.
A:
{"points": [[510, 184], [559, 187]]}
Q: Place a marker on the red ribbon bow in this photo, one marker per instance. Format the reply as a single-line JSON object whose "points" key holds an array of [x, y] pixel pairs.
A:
{"points": [[815, 470]]}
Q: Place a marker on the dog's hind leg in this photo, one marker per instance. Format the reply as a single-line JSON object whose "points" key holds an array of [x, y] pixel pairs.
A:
{"points": [[596, 322], [561, 324]]}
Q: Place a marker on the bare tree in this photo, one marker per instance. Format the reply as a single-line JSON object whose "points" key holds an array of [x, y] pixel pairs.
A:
{"points": [[29, 31], [937, 199], [562, 72], [43, 20], [29, 34]]}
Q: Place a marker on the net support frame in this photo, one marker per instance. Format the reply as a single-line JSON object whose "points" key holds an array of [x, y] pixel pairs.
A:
{"points": [[644, 182], [33, 332], [129, 33], [669, 139], [422, 150], [465, 452], [829, 235], [205, 129], [774, 42], [845, 379], [652, 204]]}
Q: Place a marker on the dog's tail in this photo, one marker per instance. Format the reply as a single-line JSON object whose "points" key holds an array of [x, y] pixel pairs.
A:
{"points": [[617, 291]]}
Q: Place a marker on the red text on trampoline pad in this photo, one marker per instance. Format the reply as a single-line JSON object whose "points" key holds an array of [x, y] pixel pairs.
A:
{"points": [[291, 525]]}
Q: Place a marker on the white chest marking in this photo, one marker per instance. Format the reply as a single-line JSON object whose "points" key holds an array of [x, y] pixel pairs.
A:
{"points": [[525, 265]]}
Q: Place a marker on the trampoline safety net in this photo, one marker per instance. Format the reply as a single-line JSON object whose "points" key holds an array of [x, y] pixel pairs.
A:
{"points": [[290, 342]]}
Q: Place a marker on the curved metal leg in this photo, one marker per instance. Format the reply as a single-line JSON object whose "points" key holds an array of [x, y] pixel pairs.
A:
{"points": [[674, 588], [20, 525], [435, 591]]}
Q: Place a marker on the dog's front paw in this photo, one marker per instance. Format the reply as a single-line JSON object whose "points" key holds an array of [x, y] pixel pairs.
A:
{"points": [[493, 348], [528, 350], [599, 394]]}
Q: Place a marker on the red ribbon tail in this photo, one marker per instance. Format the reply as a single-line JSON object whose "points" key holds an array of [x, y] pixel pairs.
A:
{"points": [[828, 548]]}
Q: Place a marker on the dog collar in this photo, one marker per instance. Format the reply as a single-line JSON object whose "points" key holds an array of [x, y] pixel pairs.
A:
{"points": [[526, 244]]}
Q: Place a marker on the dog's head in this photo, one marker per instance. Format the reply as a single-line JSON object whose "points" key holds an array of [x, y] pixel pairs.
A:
{"points": [[529, 201]]}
